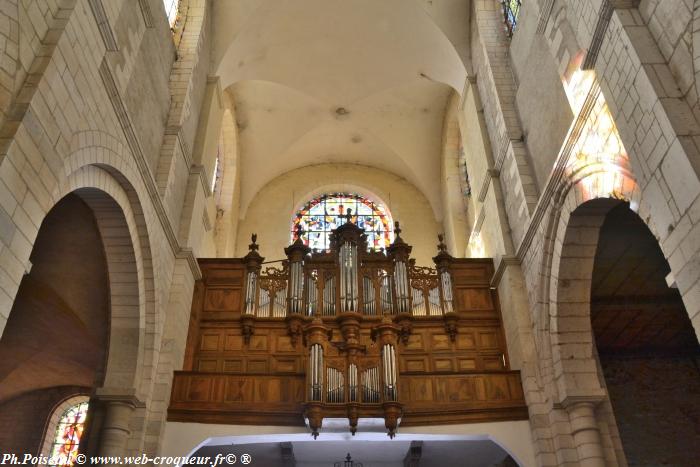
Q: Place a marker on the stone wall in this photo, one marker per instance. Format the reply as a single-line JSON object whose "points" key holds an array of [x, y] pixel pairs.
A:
{"points": [[96, 95], [21, 434], [632, 51], [655, 403]]}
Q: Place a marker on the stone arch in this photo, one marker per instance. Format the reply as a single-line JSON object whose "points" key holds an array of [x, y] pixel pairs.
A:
{"points": [[119, 224], [564, 337], [569, 231], [110, 158], [122, 226]]}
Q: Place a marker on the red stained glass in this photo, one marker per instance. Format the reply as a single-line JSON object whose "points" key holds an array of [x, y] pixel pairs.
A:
{"points": [[321, 215], [67, 438]]}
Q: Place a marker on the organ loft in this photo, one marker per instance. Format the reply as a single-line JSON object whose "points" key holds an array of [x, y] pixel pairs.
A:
{"points": [[376, 233], [348, 333]]}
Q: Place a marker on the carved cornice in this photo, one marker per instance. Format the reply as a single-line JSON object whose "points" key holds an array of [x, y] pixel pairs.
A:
{"points": [[545, 13], [604, 15], [146, 13], [490, 173], [98, 11], [144, 169], [501, 264]]}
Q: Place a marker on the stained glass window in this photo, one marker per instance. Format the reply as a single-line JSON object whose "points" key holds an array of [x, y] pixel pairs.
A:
{"points": [[66, 440], [171, 11], [322, 215], [511, 8]]}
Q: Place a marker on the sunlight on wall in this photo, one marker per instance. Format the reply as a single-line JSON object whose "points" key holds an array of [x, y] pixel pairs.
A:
{"points": [[476, 246], [598, 158]]}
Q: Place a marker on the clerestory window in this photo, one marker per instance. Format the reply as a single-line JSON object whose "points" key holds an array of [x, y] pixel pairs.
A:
{"points": [[511, 9], [171, 7]]}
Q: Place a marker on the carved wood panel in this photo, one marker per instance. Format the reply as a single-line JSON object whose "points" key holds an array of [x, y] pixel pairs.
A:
{"points": [[258, 376]]}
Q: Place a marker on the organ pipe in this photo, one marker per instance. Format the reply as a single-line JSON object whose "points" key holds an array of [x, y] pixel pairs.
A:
{"points": [[316, 372], [446, 279], [295, 288], [329, 297], [385, 294], [348, 277], [369, 306], [311, 296], [401, 280], [352, 380], [389, 372], [251, 286]]}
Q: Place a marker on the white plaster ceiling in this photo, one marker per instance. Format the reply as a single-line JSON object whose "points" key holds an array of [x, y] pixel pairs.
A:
{"points": [[354, 81]]}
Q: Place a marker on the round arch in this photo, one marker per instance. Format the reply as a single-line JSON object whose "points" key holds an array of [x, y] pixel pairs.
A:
{"points": [[379, 237], [117, 223], [564, 339], [273, 207]]}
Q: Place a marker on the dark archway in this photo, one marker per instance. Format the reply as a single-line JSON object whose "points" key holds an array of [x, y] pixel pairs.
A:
{"points": [[646, 345], [56, 340]]}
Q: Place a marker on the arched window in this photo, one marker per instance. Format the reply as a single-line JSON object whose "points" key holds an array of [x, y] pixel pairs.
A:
{"points": [[64, 431], [511, 9], [325, 213], [171, 11]]}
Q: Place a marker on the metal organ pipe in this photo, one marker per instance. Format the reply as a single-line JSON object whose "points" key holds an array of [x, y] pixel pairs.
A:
{"points": [[311, 296], [352, 378], [446, 280], [295, 287], [348, 277], [251, 285], [401, 279], [316, 371], [389, 363]]}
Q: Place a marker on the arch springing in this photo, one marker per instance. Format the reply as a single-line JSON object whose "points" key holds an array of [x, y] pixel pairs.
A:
{"points": [[323, 214]]}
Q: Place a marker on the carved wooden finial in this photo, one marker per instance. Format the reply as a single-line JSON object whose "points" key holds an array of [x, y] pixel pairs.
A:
{"points": [[348, 216], [299, 231], [442, 248], [397, 229], [253, 246]]}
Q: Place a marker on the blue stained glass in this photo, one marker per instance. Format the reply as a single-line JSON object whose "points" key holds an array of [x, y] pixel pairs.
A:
{"points": [[326, 213]]}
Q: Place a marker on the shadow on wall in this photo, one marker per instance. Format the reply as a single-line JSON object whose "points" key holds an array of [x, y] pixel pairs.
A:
{"points": [[55, 342]]}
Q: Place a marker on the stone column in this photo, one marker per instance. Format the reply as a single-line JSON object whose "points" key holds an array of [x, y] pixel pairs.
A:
{"points": [[584, 430], [118, 409]]}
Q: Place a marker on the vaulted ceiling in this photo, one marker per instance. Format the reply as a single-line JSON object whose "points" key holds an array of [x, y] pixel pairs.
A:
{"points": [[354, 81]]}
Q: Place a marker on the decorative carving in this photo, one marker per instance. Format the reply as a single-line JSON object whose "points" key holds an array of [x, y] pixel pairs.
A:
{"points": [[350, 329], [451, 325], [314, 414], [295, 327], [247, 365], [353, 417], [247, 328], [392, 414], [405, 323]]}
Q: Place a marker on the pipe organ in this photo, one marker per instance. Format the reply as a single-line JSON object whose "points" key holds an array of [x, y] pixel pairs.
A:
{"points": [[346, 333]]}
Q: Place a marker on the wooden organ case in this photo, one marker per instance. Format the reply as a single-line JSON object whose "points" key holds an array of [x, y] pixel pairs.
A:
{"points": [[347, 333]]}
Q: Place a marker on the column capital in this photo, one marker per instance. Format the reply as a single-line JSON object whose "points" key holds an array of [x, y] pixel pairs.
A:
{"points": [[572, 402], [125, 396]]}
